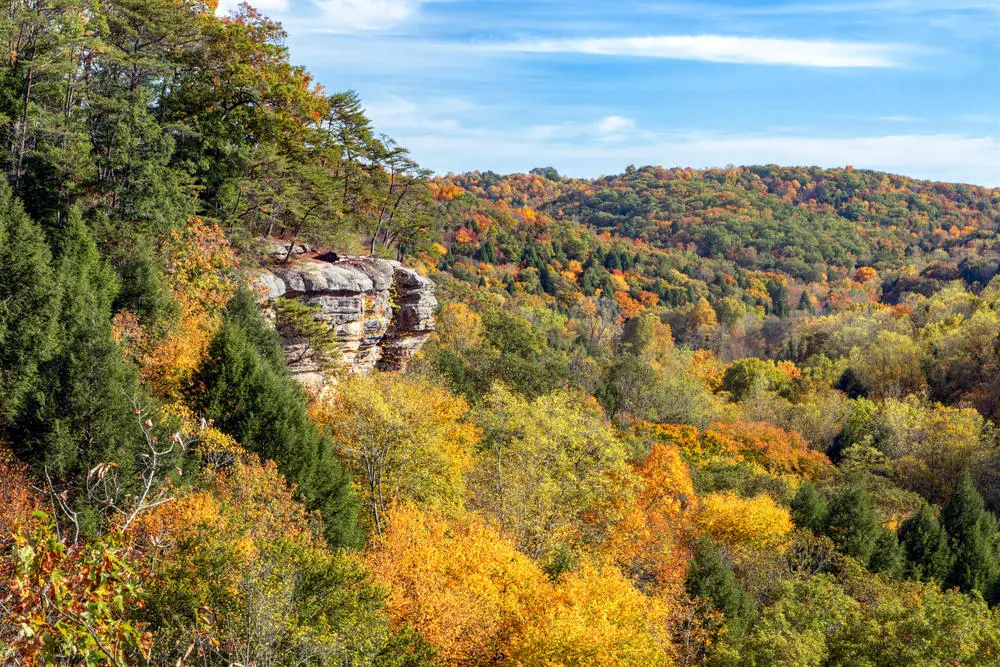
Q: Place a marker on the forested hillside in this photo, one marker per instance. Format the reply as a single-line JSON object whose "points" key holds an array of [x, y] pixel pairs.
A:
{"points": [[743, 416]]}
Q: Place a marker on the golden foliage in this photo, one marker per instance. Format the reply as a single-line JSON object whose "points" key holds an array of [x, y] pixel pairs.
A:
{"points": [[200, 268], [404, 438], [596, 617], [456, 582], [476, 600], [459, 327], [758, 522]]}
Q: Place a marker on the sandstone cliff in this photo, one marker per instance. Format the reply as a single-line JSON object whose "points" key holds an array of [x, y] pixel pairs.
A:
{"points": [[381, 312]]}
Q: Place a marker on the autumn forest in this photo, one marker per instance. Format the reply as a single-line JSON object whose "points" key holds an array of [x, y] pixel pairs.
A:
{"points": [[736, 416]]}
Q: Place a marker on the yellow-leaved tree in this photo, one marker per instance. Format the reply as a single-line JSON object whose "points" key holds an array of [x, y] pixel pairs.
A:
{"points": [[404, 438], [457, 582], [200, 269], [597, 617], [459, 327], [474, 598], [551, 471], [758, 522], [239, 572]]}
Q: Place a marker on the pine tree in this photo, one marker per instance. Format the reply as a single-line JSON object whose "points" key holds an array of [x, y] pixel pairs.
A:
{"points": [[973, 533], [925, 545], [853, 523], [806, 304], [778, 292], [887, 556], [710, 576], [80, 411], [245, 388], [809, 508], [28, 303]]}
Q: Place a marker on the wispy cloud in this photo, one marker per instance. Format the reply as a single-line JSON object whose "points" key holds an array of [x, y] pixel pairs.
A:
{"points": [[363, 15], [818, 8], [266, 6], [906, 6], [946, 157], [723, 49], [335, 16], [615, 125]]}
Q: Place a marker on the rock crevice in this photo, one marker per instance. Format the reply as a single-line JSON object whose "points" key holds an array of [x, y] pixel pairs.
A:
{"points": [[381, 312]]}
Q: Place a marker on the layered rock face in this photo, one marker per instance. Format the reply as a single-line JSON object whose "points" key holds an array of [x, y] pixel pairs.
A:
{"points": [[381, 312]]}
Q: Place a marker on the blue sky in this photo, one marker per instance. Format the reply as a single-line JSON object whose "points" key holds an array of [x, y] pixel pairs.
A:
{"points": [[590, 86]]}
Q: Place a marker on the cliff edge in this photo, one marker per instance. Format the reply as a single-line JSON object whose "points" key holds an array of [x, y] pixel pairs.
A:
{"points": [[381, 312]]}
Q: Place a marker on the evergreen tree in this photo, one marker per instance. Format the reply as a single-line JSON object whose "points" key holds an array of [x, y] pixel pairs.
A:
{"points": [[973, 533], [80, 411], [28, 303], [806, 304], [925, 545], [546, 279], [710, 576], [887, 556], [854, 524], [809, 508], [778, 292], [245, 388]]}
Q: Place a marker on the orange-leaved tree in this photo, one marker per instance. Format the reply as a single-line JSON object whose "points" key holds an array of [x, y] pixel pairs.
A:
{"points": [[201, 269], [18, 499], [650, 542], [774, 449]]}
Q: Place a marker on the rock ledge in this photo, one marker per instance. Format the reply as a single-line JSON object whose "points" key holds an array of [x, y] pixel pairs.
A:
{"points": [[381, 311]]}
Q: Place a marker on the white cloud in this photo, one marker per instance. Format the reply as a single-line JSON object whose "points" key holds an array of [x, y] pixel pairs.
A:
{"points": [[611, 125], [335, 16], [945, 157], [721, 48], [455, 134], [907, 6], [265, 6], [363, 15]]}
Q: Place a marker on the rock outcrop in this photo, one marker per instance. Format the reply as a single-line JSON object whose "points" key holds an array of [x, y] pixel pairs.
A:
{"points": [[381, 311]]}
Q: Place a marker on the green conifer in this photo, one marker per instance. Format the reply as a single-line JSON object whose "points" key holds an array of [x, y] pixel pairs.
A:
{"points": [[809, 508], [854, 524], [887, 556], [80, 410], [245, 388], [28, 303], [925, 545], [710, 576], [973, 533]]}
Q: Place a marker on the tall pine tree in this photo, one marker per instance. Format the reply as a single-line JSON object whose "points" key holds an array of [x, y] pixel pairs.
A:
{"points": [[710, 576], [28, 304], [887, 556], [245, 388], [973, 533], [79, 413], [853, 523], [925, 544], [809, 508]]}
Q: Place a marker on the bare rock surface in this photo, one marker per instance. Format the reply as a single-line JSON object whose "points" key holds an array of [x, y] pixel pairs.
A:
{"points": [[381, 312]]}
